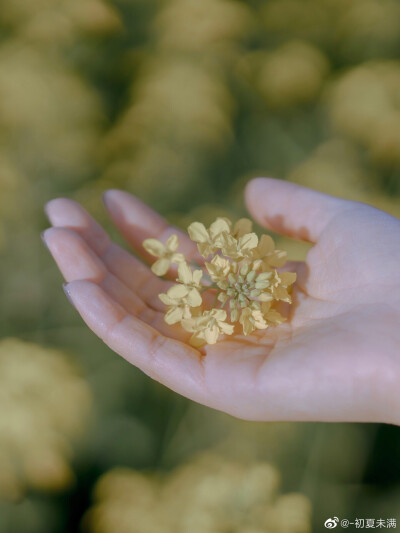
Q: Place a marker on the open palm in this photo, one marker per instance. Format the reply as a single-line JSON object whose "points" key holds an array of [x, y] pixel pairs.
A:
{"points": [[337, 356]]}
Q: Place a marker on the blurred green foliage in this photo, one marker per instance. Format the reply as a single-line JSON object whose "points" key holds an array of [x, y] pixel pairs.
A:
{"points": [[180, 102]]}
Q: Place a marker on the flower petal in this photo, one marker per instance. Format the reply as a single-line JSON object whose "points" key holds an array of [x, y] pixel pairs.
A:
{"points": [[274, 317], [218, 314], [185, 273], [205, 249], [227, 329], [248, 241], [251, 275], [265, 297], [177, 258], [154, 247], [197, 275], [222, 297], [242, 226], [280, 293], [198, 233], [234, 315], [259, 321], [211, 334], [264, 276], [263, 284], [161, 266], [266, 245], [287, 278], [197, 340], [276, 259], [189, 324], [245, 320], [166, 299], [194, 298], [172, 243], [218, 227], [177, 291], [173, 315], [218, 268]]}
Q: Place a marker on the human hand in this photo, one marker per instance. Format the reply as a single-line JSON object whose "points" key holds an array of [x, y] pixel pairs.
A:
{"points": [[337, 358]]}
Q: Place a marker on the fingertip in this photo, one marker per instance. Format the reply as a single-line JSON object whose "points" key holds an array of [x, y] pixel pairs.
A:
{"points": [[114, 198], [254, 183], [73, 255], [81, 292], [48, 236], [49, 208], [51, 234], [67, 293], [59, 210], [72, 287], [43, 237], [114, 201], [109, 195], [126, 209], [256, 187], [259, 184], [291, 209]]}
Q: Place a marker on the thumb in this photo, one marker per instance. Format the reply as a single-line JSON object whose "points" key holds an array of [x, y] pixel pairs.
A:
{"points": [[291, 209]]}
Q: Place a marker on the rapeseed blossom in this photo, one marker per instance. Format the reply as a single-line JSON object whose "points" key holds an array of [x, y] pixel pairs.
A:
{"points": [[238, 268], [166, 254]]}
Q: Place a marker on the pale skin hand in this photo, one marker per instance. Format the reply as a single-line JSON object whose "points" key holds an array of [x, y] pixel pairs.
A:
{"points": [[337, 358]]}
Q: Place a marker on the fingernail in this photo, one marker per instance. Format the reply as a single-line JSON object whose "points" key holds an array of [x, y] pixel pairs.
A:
{"points": [[43, 237], [105, 198], [108, 198], [67, 294]]}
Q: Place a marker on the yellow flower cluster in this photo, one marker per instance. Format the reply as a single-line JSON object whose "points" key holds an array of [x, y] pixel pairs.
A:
{"points": [[239, 269], [208, 494], [45, 405]]}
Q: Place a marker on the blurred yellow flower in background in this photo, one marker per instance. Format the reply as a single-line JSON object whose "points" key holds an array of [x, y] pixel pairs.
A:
{"points": [[351, 30], [218, 23], [209, 494], [49, 118], [178, 111], [53, 22], [365, 104], [44, 406], [291, 75]]}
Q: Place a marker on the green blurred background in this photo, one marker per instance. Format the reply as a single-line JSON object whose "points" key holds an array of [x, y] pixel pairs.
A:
{"points": [[180, 102]]}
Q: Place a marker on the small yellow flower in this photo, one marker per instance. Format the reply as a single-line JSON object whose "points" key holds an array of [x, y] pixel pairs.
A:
{"points": [[272, 317], [266, 252], [280, 284], [208, 327], [188, 277], [180, 299], [218, 268], [242, 227], [241, 247], [252, 319], [166, 253], [208, 241]]}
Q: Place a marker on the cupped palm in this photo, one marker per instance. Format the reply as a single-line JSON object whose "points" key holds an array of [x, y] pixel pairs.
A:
{"points": [[335, 358]]}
